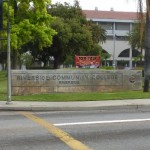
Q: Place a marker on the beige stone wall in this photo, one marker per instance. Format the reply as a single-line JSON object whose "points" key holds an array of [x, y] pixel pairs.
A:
{"points": [[26, 82]]}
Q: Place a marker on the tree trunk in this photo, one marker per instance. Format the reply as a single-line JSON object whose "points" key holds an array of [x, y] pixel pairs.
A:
{"points": [[56, 62], [141, 58], [14, 59], [45, 63], [147, 55], [146, 84]]}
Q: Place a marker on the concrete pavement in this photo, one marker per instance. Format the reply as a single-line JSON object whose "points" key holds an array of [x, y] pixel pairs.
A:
{"points": [[140, 104]]}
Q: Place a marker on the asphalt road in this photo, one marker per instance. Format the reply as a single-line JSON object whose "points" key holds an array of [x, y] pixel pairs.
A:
{"points": [[82, 130]]}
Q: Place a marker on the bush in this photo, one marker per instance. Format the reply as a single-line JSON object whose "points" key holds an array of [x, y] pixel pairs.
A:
{"points": [[107, 67]]}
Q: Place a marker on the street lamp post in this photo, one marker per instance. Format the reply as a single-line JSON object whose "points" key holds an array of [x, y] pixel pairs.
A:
{"points": [[8, 60], [114, 46], [130, 50]]}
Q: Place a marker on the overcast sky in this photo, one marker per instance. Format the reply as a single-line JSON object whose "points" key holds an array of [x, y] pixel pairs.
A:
{"points": [[117, 5]]}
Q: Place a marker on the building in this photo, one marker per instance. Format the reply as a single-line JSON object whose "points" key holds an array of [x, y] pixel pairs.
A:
{"points": [[118, 25]]}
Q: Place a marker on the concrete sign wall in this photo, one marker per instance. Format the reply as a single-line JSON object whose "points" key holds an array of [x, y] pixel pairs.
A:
{"points": [[26, 82]]}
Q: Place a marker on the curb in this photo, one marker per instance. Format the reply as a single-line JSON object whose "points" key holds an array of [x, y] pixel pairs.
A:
{"points": [[71, 108]]}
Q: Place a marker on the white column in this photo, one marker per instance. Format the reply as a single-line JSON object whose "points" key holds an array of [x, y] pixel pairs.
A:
{"points": [[114, 46]]}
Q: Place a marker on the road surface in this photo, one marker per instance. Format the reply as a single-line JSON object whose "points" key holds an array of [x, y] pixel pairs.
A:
{"points": [[78, 130]]}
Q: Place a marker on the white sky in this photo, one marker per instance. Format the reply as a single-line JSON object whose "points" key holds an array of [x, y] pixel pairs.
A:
{"points": [[117, 5]]}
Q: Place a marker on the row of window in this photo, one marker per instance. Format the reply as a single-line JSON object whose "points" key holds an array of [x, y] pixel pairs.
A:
{"points": [[117, 38], [118, 25]]}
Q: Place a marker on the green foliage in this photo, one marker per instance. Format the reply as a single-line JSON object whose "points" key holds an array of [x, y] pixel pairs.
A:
{"points": [[105, 56], [107, 67], [76, 35], [135, 37], [98, 33], [63, 30], [21, 33], [30, 23], [51, 30], [73, 36], [69, 60], [81, 41], [95, 50], [136, 59]]}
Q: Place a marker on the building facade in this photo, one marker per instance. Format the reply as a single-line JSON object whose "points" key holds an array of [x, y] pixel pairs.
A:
{"points": [[118, 25]]}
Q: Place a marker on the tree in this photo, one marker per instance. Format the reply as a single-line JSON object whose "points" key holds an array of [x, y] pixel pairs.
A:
{"points": [[98, 33], [75, 36], [105, 56], [72, 34], [30, 23], [59, 48], [147, 42], [26, 59], [135, 39]]}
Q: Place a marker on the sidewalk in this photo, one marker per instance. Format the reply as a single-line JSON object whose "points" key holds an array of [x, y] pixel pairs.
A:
{"points": [[140, 104]]}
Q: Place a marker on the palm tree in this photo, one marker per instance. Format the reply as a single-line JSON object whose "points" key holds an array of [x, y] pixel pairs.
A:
{"points": [[147, 41], [135, 40]]}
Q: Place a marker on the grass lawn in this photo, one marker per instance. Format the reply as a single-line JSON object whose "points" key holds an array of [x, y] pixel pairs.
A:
{"points": [[70, 96], [3, 85]]}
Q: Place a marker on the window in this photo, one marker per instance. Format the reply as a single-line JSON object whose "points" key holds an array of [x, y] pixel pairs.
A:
{"points": [[106, 25], [122, 26]]}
